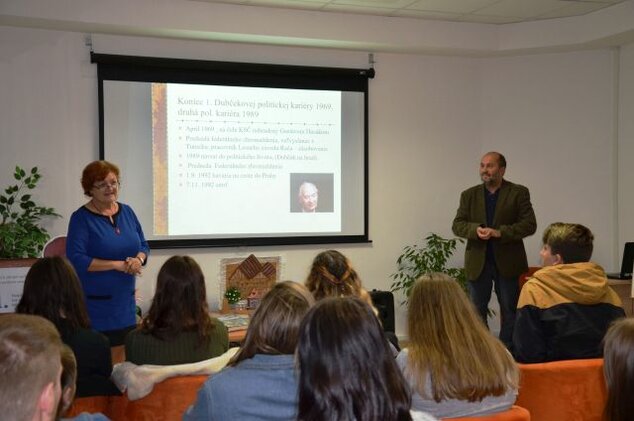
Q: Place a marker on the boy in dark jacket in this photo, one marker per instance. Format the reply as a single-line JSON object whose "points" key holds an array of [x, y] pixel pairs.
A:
{"points": [[567, 306]]}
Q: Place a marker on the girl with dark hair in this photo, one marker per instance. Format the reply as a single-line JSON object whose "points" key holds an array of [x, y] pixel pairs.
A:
{"points": [[454, 365], [618, 368], [347, 372], [178, 328], [260, 382], [52, 290]]}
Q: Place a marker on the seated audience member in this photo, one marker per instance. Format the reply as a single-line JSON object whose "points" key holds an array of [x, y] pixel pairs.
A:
{"points": [[453, 364], [332, 275], [618, 367], [52, 290], [260, 381], [565, 308], [178, 328], [68, 387], [346, 368], [30, 368], [68, 380]]}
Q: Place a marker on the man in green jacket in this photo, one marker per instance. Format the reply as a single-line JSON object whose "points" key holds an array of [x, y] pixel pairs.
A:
{"points": [[494, 217]]}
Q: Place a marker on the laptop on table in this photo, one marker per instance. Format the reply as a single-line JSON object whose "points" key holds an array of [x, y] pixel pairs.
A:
{"points": [[626, 264]]}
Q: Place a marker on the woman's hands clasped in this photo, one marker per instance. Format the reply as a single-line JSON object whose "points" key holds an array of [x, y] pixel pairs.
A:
{"points": [[133, 266]]}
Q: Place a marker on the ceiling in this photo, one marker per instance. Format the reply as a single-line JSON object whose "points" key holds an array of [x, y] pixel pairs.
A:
{"points": [[474, 28], [475, 11]]}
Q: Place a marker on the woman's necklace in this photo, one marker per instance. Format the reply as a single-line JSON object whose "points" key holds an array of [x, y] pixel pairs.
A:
{"points": [[109, 214]]}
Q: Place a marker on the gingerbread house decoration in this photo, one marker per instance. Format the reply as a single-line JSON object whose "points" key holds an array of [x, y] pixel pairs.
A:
{"points": [[252, 278]]}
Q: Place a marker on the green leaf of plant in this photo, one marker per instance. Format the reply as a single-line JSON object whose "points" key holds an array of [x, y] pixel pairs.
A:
{"points": [[431, 256], [20, 234]]}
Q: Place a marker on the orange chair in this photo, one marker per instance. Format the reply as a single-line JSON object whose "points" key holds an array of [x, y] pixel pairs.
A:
{"points": [[515, 413], [571, 390], [168, 400], [55, 247]]}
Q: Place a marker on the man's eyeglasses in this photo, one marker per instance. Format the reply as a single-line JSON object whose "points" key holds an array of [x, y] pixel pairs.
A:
{"points": [[104, 186]]}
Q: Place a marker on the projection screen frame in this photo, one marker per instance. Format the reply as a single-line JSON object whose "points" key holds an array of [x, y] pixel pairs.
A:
{"points": [[169, 70]]}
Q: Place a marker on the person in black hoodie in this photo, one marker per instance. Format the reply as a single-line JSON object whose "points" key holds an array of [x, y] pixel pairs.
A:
{"points": [[565, 309]]}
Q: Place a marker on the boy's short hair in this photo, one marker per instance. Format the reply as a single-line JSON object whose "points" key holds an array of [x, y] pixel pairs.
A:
{"points": [[573, 242], [29, 360]]}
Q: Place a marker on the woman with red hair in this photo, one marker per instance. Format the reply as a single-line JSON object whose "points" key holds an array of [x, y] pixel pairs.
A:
{"points": [[106, 245]]}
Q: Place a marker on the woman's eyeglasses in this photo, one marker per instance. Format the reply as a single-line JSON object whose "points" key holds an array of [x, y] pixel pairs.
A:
{"points": [[104, 185]]}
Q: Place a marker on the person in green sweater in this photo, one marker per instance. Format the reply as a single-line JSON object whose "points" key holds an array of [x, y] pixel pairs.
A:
{"points": [[178, 328]]}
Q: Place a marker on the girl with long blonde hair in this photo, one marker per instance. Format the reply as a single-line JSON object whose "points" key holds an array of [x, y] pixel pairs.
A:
{"points": [[453, 364]]}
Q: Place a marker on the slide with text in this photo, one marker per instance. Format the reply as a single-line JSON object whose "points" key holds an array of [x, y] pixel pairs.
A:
{"points": [[238, 159]]}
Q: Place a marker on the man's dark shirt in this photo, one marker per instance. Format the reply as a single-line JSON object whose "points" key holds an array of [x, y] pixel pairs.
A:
{"points": [[490, 200]]}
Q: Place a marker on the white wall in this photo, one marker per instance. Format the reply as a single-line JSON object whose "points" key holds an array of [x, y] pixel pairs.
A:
{"points": [[626, 147], [553, 115], [430, 120]]}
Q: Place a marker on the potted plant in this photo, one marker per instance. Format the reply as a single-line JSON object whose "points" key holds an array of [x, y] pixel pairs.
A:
{"points": [[233, 296], [431, 256], [20, 233]]}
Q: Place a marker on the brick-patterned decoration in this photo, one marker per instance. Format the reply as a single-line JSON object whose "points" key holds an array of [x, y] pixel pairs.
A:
{"points": [[253, 276]]}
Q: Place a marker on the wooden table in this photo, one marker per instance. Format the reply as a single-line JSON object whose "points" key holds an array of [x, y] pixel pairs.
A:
{"points": [[237, 336]]}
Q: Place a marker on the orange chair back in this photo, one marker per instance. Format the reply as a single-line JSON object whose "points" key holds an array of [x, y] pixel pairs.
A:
{"points": [[570, 390], [168, 400], [514, 413], [55, 247]]}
